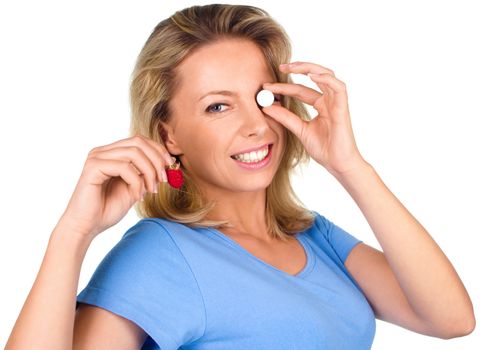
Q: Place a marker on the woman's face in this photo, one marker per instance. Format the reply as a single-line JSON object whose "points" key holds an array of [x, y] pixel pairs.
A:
{"points": [[215, 116]]}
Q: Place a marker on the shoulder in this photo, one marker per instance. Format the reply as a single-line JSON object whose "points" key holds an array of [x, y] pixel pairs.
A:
{"points": [[146, 249], [152, 235], [144, 264], [146, 279], [341, 241], [149, 228], [322, 223]]}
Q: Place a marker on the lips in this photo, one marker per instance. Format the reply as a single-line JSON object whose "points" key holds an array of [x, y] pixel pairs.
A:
{"points": [[254, 149]]}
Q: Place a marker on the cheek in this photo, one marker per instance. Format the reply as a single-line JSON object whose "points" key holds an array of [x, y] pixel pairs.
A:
{"points": [[203, 147], [196, 162]]}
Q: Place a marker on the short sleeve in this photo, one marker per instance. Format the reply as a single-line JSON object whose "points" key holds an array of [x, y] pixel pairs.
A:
{"points": [[340, 240], [146, 279]]}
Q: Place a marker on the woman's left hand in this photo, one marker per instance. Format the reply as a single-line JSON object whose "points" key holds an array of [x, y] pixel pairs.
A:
{"points": [[328, 137]]}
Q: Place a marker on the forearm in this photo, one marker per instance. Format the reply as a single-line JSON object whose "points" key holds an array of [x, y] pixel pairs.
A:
{"points": [[46, 320], [426, 276]]}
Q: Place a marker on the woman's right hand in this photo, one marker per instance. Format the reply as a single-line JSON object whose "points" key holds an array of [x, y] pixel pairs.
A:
{"points": [[114, 177]]}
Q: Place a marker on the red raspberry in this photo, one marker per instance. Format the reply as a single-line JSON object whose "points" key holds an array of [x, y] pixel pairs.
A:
{"points": [[175, 177]]}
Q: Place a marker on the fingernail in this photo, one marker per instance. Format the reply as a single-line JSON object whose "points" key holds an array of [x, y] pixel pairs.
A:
{"points": [[143, 196], [155, 188], [164, 176]]}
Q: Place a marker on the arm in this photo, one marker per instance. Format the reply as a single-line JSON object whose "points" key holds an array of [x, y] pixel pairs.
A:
{"points": [[413, 268], [412, 282], [113, 179], [46, 320]]}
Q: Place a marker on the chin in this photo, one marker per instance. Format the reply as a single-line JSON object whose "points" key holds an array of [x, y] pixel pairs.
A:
{"points": [[252, 186]]}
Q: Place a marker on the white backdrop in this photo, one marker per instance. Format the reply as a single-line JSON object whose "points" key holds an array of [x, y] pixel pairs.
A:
{"points": [[421, 84]]}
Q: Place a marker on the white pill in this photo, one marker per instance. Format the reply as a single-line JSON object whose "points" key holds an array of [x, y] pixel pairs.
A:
{"points": [[265, 98]]}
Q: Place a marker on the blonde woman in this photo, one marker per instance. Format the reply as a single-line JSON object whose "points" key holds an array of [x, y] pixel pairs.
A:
{"points": [[230, 259]]}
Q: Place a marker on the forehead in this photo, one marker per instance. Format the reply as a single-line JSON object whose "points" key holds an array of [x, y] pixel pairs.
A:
{"points": [[229, 61]]}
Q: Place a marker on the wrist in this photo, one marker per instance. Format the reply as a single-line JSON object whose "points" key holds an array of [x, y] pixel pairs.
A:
{"points": [[353, 170], [71, 233], [359, 181]]}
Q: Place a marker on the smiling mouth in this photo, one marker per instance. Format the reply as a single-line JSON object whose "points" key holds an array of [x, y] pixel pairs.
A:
{"points": [[253, 157]]}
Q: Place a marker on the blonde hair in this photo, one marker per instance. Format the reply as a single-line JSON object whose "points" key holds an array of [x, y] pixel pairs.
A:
{"points": [[154, 81]]}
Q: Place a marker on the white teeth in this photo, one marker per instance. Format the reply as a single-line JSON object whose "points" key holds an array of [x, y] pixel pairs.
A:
{"points": [[252, 156]]}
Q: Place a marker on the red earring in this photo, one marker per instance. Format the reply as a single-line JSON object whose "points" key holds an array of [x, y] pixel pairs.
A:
{"points": [[175, 175]]}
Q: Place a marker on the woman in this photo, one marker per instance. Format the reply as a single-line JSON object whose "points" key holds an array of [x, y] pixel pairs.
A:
{"points": [[230, 259]]}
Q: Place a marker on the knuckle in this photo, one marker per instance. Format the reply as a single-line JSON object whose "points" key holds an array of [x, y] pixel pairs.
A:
{"points": [[140, 139], [150, 175], [162, 163], [93, 150], [89, 162], [130, 166], [147, 174], [135, 149]]}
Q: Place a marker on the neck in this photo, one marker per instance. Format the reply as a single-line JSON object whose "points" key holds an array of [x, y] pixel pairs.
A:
{"points": [[244, 210]]}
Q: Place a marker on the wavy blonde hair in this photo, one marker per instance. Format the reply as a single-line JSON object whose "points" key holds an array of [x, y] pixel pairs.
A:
{"points": [[154, 81]]}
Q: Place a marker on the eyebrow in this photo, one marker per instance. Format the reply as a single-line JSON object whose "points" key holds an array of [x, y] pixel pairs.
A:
{"points": [[219, 92], [224, 92]]}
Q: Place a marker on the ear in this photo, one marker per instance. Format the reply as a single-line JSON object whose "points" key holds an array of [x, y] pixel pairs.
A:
{"points": [[169, 139]]}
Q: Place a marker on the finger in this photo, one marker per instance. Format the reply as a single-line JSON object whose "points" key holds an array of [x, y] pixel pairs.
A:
{"points": [[287, 118], [99, 171], [334, 86], [152, 150], [143, 141], [301, 92], [138, 158], [304, 68]]}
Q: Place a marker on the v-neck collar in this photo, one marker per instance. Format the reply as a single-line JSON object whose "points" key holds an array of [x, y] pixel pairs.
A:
{"points": [[310, 256]]}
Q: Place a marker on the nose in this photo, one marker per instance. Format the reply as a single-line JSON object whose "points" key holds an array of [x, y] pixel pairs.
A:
{"points": [[254, 120]]}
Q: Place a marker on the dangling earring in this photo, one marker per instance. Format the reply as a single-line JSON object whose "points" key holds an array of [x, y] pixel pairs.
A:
{"points": [[175, 175]]}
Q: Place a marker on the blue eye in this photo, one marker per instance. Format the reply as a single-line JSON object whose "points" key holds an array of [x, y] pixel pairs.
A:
{"points": [[211, 108]]}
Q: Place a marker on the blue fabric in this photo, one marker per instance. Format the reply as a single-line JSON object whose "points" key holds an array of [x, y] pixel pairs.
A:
{"points": [[196, 288]]}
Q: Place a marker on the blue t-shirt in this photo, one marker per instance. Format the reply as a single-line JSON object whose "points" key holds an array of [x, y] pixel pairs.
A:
{"points": [[196, 288]]}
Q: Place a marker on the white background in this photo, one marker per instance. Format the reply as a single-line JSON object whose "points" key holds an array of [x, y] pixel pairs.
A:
{"points": [[421, 84]]}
